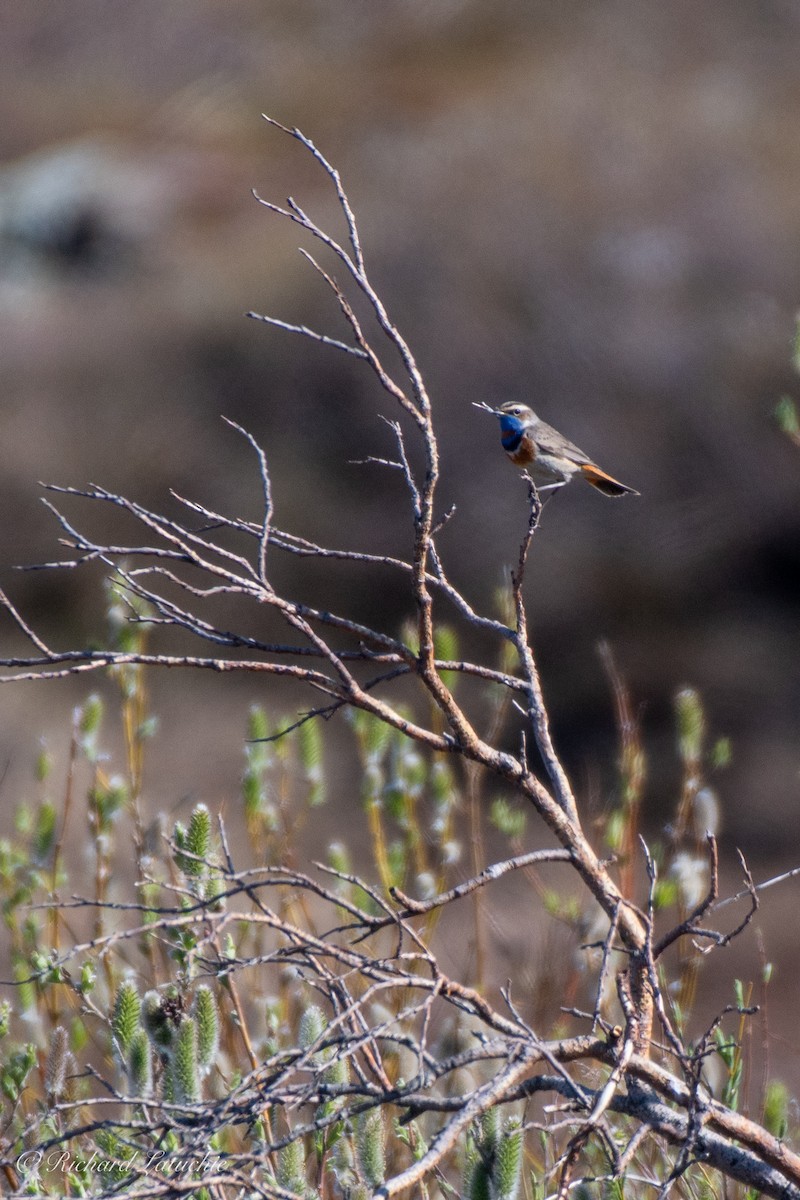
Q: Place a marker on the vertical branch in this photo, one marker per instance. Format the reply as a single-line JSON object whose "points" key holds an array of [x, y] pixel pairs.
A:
{"points": [[537, 713], [266, 521], [632, 770]]}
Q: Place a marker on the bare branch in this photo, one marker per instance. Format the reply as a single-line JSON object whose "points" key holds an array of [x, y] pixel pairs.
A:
{"points": [[488, 875], [311, 334]]}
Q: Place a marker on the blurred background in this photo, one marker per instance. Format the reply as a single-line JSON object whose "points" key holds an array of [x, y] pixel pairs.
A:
{"points": [[592, 207]]}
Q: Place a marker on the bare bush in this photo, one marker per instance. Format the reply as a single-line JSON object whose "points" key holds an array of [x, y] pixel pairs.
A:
{"points": [[380, 1073]]}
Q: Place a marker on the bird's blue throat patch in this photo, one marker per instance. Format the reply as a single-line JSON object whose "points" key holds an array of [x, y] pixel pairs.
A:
{"points": [[512, 431]]}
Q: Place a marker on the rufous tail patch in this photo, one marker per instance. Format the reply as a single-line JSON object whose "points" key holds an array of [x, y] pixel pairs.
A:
{"points": [[606, 483]]}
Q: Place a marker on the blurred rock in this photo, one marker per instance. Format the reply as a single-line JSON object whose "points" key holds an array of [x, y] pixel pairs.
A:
{"points": [[84, 207]]}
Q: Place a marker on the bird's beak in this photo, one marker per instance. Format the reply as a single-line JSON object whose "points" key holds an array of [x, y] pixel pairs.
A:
{"points": [[486, 408]]}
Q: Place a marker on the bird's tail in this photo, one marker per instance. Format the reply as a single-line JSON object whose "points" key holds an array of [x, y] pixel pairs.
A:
{"points": [[605, 483]]}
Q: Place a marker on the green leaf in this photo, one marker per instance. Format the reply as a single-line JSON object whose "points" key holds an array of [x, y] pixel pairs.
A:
{"points": [[90, 717], [508, 819], [507, 1166], [87, 979], [372, 734], [691, 725], [185, 1070], [786, 416], [338, 857], [445, 647], [310, 738], [370, 1138], [257, 725], [140, 1064], [45, 833], [292, 1166], [44, 764], [126, 1017], [721, 753], [107, 799], [665, 893], [196, 840], [777, 1102], [15, 1071], [312, 1026], [207, 1018]]}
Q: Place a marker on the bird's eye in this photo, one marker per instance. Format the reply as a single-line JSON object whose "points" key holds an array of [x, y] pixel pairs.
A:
{"points": [[517, 411]]}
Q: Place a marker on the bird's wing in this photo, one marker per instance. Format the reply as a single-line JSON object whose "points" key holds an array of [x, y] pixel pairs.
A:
{"points": [[550, 441]]}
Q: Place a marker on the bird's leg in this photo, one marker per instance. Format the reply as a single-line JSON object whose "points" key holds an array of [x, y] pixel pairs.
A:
{"points": [[545, 487]]}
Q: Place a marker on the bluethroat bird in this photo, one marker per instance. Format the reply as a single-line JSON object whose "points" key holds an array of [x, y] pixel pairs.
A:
{"points": [[550, 460]]}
